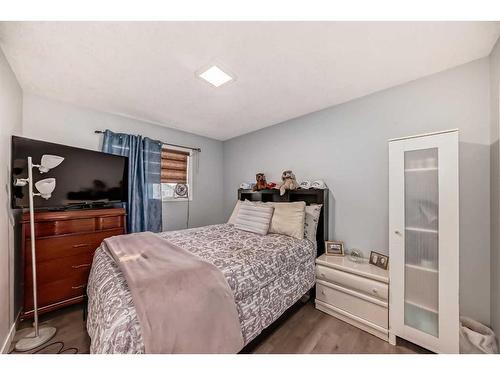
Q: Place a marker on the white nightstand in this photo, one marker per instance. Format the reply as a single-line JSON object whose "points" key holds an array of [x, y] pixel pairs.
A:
{"points": [[356, 293]]}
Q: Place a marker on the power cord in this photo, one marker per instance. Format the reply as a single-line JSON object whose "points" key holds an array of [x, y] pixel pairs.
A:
{"points": [[61, 349]]}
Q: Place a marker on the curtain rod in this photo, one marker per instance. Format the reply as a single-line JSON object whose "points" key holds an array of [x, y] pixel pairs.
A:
{"points": [[168, 144]]}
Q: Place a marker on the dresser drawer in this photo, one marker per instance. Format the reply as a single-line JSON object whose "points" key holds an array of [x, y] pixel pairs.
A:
{"points": [[57, 291], [362, 284], [365, 307], [67, 267], [110, 222], [70, 245], [59, 227]]}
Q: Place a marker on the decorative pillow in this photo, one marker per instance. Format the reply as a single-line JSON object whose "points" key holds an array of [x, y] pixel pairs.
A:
{"points": [[232, 218], [288, 219], [311, 222], [254, 218]]}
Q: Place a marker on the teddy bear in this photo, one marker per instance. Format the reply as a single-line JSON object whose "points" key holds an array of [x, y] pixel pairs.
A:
{"points": [[261, 182], [289, 182]]}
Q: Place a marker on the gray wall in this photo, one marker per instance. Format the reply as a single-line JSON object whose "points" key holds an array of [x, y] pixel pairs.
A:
{"points": [[346, 145], [495, 186], [10, 123], [60, 122]]}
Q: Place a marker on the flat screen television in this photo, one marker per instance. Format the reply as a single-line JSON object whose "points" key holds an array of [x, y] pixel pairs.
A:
{"points": [[85, 179]]}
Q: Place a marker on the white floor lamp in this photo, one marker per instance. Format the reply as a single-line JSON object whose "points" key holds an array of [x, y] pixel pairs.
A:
{"points": [[45, 187]]}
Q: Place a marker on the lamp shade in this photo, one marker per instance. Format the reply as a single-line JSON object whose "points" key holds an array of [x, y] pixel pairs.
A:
{"points": [[49, 162], [45, 187]]}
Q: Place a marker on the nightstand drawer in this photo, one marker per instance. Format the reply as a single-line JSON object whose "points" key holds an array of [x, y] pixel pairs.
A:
{"points": [[365, 307], [362, 284]]}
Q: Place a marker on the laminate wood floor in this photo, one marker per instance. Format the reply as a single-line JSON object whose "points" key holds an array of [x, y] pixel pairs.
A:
{"points": [[305, 330]]}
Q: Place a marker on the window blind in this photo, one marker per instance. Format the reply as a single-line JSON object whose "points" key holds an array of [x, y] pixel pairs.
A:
{"points": [[174, 166]]}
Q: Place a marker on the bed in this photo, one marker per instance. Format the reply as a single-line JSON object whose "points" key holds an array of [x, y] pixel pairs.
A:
{"points": [[267, 275]]}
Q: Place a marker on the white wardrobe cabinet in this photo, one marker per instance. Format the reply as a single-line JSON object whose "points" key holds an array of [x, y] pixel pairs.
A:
{"points": [[424, 240]]}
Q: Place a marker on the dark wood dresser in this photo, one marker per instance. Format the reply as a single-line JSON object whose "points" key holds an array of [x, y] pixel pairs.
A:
{"points": [[65, 244]]}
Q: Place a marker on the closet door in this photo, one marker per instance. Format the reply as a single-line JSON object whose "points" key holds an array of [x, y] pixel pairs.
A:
{"points": [[423, 240]]}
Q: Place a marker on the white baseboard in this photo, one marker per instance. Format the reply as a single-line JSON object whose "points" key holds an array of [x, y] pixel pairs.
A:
{"points": [[9, 338]]}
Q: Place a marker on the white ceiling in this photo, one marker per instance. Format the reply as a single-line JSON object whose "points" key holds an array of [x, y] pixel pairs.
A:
{"points": [[146, 70]]}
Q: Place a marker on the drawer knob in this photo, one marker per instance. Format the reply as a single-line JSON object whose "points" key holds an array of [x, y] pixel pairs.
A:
{"points": [[322, 274], [79, 286], [323, 292], [81, 265], [375, 291]]}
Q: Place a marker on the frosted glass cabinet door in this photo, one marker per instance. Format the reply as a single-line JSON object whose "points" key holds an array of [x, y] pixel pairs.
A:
{"points": [[423, 240]]}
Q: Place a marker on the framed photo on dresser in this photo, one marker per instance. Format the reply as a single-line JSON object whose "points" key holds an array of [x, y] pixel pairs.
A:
{"points": [[334, 248], [379, 260]]}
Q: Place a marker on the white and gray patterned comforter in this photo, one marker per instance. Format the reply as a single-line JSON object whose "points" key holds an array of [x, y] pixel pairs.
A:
{"points": [[267, 275]]}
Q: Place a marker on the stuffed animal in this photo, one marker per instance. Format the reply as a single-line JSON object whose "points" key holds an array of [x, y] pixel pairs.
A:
{"points": [[271, 185], [289, 182], [261, 182]]}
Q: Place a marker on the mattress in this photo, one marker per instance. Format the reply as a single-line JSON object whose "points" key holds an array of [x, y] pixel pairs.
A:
{"points": [[267, 275]]}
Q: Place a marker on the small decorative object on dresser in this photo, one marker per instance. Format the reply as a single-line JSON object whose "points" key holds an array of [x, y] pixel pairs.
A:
{"points": [[379, 260], [334, 248], [356, 293], [356, 256]]}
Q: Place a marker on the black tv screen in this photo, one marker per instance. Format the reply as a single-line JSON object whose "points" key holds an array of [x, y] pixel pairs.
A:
{"points": [[84, 179]]}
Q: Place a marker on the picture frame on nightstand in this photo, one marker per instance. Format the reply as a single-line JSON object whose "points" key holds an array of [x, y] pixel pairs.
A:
{"points": [[379, 260], [334, 248]]}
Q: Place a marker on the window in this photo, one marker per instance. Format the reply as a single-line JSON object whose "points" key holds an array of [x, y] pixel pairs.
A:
{"points": [[175, 169]]}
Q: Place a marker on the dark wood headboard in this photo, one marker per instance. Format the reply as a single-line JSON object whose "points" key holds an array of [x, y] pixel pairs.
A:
{"points": [[310, 196]]}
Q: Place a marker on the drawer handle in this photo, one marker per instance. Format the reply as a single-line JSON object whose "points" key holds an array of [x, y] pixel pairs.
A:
{"points": [[323, 292], [79, 286], [81, 265], [322, 274], [81, 245], [375, 291]]}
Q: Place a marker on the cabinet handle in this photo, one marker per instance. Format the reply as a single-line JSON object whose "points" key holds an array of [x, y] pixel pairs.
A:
{"points": [[81, 245], [397, 232], [79, 286], [81, 265]]}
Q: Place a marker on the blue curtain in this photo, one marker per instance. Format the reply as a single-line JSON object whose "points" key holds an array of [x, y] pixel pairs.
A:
{"points": [[144, 178]]}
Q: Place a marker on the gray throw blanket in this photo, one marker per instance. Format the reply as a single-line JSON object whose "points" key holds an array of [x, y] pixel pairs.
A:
{"points": [[184, 304]]}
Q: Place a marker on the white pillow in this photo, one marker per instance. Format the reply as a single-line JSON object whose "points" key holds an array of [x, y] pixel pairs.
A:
{"points": [[232, 218], [288, 219], [254, 218], [311, 222]]}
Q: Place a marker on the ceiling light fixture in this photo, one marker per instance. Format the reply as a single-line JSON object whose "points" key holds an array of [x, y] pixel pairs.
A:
{"points": [[215, 76]]}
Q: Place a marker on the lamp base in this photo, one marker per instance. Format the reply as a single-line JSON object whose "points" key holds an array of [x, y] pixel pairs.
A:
{"points": [[30, 341]]}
